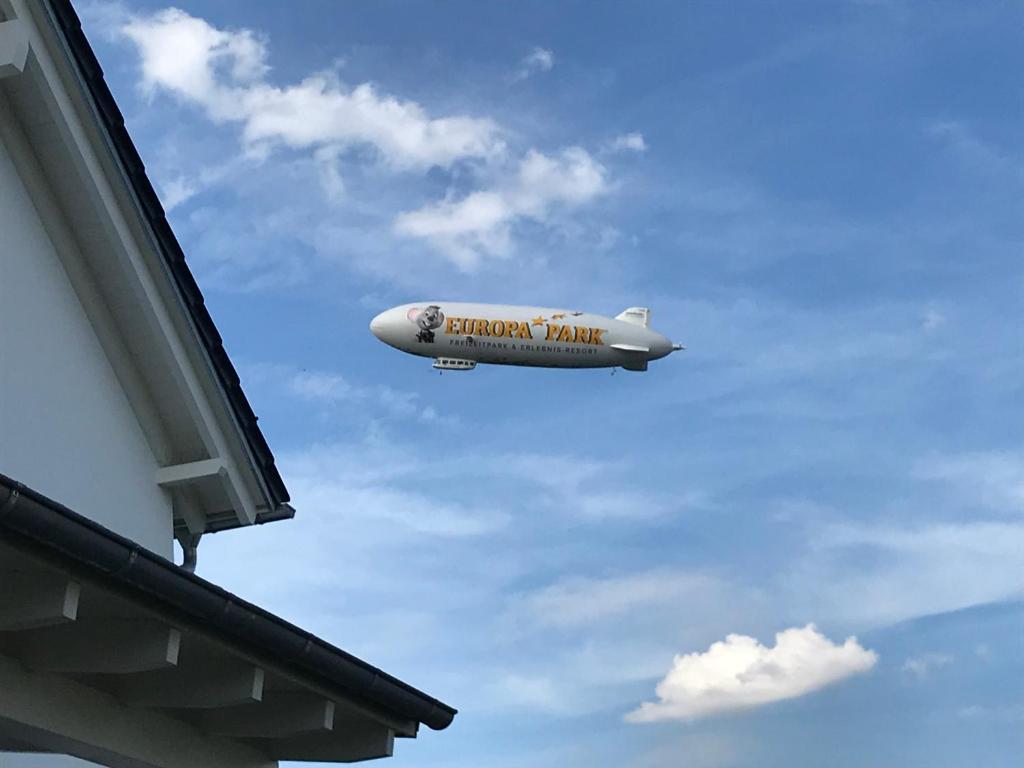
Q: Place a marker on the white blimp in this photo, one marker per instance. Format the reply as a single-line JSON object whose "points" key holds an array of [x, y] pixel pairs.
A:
{"points": [[458, 336]]}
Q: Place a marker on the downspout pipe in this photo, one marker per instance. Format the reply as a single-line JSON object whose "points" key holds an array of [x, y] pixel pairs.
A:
{"points": [[189, 543]]}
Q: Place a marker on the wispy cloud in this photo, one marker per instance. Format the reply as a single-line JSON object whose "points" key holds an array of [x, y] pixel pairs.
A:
{"points": [[390, 499], [412, 511], [993, 479], [342, 128], [915, 570], [973, 152], [320, 385], [590, 489], [932, 319], [628, 142], [579, 602], [334, 389], [480, 224], [921, 667], [361, 505], [740, 673], [535, 62], [535, 693], [1006, 714], [176, 191], [182, 187]]}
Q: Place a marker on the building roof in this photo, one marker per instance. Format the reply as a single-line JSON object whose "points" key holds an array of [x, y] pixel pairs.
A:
{"points": [[112, 123], [220, 630]]}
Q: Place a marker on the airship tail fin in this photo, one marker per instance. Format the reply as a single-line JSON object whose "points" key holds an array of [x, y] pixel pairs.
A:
{"points": [[636, 316]]}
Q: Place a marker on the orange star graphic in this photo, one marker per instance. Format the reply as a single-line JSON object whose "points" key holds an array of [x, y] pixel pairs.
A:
{"points": [[558, 315], [538, 321]]}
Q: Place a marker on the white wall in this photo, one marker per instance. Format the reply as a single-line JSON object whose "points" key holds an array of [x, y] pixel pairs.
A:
{"points": [[66, 427]]}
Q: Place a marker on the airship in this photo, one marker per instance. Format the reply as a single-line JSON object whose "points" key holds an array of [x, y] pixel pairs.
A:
{"points": [[458, 336]]}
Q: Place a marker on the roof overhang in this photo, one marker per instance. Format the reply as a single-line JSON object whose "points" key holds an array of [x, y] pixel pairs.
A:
{"points": [[67, 138], [112, 653]]}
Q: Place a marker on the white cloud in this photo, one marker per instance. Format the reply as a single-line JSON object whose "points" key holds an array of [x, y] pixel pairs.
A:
{"points": [[187, 56], [628, 142], [224, 73], [480, 223], [921, 667], [740, 673], [537, 61]]}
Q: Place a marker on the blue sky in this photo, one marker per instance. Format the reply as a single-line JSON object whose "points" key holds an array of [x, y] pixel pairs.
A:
{"points": [[822, 200]]}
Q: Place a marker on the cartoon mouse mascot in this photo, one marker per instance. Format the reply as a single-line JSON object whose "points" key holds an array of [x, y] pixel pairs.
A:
{"points": [[430, 318]]}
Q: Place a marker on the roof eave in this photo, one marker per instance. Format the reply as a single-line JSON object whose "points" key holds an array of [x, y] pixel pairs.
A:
{"points": [[56, 533]]}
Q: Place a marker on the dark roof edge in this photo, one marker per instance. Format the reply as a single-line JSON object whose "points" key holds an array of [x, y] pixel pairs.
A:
{"points": [[56, 532], [112, 122]]}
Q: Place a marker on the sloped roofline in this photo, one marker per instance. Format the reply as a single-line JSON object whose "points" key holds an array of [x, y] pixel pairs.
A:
{"points": [[112, 123]]}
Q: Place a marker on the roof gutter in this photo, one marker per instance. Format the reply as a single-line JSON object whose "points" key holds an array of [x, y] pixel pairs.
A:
{"points": [[49, 529]]}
